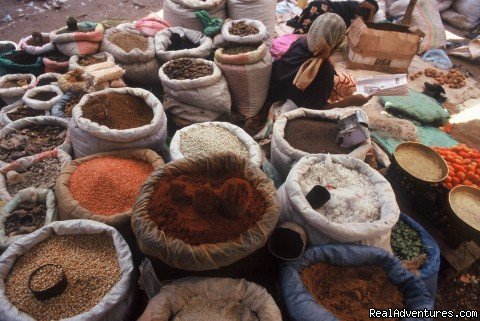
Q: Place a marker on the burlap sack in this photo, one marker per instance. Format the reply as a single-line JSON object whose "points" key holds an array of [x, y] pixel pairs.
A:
{"points": [[12, 95], [73, 62], [284, 156], [37, 50], [181, 13], [78, 43], [40, 104], [178, 254], [48, 75], [90, 138], [261, 36], [69, 208], [162, 41], [55, 66], [248, 78]]}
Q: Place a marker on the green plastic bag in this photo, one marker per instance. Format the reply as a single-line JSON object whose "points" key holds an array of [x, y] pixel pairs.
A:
{"points": [[213, 26], [9, 67], [416, 106]]}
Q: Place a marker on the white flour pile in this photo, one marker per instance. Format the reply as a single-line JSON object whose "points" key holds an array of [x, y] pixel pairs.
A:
{"points": [[202, 309], [353, 197]]}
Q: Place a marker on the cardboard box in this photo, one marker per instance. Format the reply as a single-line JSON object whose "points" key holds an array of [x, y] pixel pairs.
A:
{"points": [[381, 47]]}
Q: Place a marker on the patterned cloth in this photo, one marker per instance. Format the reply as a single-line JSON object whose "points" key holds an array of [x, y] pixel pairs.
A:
{"points": [[344, 86]]}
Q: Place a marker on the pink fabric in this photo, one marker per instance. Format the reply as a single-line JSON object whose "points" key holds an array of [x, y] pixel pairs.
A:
{"points": [[281, 44], [55, 66], [151, 24]]}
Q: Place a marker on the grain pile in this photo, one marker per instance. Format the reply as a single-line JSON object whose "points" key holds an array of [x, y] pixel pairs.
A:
{"points": [[353, 197], [350, 292], [242, 29], [89, 60], [128, 41], [202, 309], [108, 185], [70, 104], [91, 267], [42, 174], [44, 95], [205, 208], [185, 68], [314, 136], [15, 83], [23, 111], [118, 111], [26, 218], [239, 50], [211, 140], [46, 277]]}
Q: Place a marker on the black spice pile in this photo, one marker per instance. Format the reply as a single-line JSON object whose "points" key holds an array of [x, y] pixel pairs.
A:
{"points": [[23, 111], [179, 43], [187, 69], [242, 29]]}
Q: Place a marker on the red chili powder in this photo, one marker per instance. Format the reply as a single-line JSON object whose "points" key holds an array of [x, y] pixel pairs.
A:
{"points": [[176, 216], [108, 185]]}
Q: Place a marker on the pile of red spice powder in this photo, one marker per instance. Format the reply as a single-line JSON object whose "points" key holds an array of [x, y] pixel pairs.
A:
{"points": [[350, 291], [180, 220], [108, 185]]}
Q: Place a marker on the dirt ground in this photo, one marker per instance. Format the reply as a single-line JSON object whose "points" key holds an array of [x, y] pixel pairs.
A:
{"points": [[40, 15]]}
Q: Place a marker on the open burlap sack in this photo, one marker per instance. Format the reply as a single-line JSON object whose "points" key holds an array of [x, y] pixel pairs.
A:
{"points": [[261, 36], [69, 208], [73, 62], [53, 76], [4, 112], [37, 50], [181, 13], [177, 253], [41, 104], [11, 95]]}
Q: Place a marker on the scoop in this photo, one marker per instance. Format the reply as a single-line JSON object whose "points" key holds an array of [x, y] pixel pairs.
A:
{"points": [[54, 289], [318, 196]]}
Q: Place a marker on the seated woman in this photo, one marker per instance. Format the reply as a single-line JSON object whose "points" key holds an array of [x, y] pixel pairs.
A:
{"points": [[305, 74], [348, 10]]}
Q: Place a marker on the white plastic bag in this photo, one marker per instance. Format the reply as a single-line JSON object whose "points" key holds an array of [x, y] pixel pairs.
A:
{"points": [[40, 104]]}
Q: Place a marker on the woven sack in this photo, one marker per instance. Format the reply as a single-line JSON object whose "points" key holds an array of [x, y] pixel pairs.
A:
{"points": [[261, 36], [73, 62], [78, 43], [37, 50], [181, 13], [48, 75], [55, 66], [40, 104], [4, 112], [12, 95]]}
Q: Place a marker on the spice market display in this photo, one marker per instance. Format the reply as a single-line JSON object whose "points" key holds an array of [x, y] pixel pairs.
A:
{"points": [[237, 160]]}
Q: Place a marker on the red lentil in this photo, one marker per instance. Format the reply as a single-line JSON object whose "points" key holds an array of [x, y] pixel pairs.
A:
{"points": [[108, 185]]}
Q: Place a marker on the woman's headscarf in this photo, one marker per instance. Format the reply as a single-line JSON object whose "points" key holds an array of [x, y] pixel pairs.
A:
{"points": [[325, 35]]}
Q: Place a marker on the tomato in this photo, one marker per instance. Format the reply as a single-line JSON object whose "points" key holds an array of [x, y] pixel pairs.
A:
{"points": [[477, 178], [474, 164], [461, 175], [470, 174], [448, 179], [463, 154], [467, 182], [470, 168], [449, 159], [456, 180], [449, 185], [467, 161], [458, 167]]}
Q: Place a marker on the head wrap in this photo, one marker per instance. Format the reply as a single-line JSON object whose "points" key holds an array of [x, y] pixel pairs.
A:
{"points": [[325, 35]]}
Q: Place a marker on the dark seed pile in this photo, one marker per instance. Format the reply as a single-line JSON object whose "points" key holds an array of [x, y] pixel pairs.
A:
{"points": [[179, 43], [239, 50], [57, 56], [89, 60], [44, 95], [25, 219], [42, 174], [46, 81], [187, 69], [23, 111], [242, 29]]}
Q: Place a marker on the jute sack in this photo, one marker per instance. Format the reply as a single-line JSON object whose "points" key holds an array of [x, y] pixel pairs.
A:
{"points": [[13, 94], [140, 66], [181, 13], [248, 78], [261, 36], [78, 43], [73, 62], [90, 138], [320, 230], [70, 209], [40, 104], [254, 150], [196, 100], [257, 303], [112, 307], [24, 163], [262, 10], [37, 50], [284, 156], [163, 41], [177, 253], [29, 195], [4, 112]]}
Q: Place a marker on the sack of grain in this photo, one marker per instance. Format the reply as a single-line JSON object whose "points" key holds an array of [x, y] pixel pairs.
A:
{"points": [[367, 223], [196, 255], [196, 100], [262, 10], [11, 90], [103, 56], [284, 156], [151, 24], [141, 66], [213, 144], [210, 298], [181, 13], [90, 138], [163, 41], [20, 62], [55, 66], [257, 38], [248, 78], [69, 208], [57, 157], [48, 78], [302, 305], [30, 97], [25, 45], [78, 43], [6, 116], [30, 195], [107, 294]]}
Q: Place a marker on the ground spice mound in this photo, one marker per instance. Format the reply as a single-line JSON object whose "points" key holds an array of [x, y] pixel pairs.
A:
{"points": [[90, 264], [187, 69], [118, 111], [239, 50], [172, 208], [42, 174], [71, 103], [23, 111], [108, 185], [128, 41], [90, 60], [21, 58], [26, 218], [57, 56], [349, 292], [242, 29], [44, 95], [314, 136]]}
